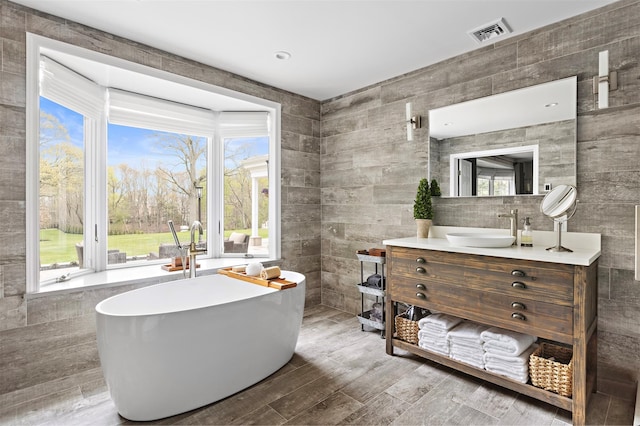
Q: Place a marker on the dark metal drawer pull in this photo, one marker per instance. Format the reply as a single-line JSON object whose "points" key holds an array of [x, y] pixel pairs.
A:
{"points": [[421, 270], [518, 284], [518, 305], [421, 295], [517, 273], [519, 316], [421, 287], [421, 260]]}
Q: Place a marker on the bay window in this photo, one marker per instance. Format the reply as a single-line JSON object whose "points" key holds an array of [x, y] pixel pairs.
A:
{"points": [[111, 161]]}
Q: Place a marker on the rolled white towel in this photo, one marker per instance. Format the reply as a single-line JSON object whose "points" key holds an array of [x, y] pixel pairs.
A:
{"points": [[499, 340], [270, 273], [439, 322]]}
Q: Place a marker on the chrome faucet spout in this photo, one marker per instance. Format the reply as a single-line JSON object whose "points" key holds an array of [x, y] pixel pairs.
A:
{"points": [[513, 226], [193, 249], [195, 226]]}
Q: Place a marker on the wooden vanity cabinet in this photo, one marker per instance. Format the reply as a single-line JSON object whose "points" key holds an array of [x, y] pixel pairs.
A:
{"points": [[553, 301]]}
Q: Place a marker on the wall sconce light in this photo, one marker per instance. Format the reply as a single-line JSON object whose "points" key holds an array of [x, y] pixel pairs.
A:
{"points": [[413, 122], [605, 81]]}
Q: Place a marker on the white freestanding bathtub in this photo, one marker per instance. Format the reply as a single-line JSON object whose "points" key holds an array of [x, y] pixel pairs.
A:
{"points": [[173, 347]]}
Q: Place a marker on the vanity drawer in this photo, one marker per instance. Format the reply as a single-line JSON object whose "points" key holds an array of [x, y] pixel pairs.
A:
{"points": [[543, 319], [516, 278], [420, 264], [523, 278]]}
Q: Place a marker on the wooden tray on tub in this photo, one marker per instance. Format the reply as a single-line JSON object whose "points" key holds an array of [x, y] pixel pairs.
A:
{"points": [[277, 283]]}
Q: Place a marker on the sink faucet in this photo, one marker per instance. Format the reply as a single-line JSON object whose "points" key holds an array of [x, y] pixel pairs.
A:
{"points": [[193, 249], [513, 216]]}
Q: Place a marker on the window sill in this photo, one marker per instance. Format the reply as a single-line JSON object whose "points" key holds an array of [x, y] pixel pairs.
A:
{"points": [[152, 274]]}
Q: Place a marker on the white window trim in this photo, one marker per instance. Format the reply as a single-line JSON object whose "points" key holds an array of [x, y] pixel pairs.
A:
{"points": [[453, 163], [35, 46]]}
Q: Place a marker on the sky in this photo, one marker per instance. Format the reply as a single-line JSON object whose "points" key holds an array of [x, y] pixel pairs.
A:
{"points": [[134, 146]]}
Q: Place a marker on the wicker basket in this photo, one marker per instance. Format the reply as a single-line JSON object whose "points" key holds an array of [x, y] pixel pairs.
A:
{"points": [[553, 375], [406, 329]]}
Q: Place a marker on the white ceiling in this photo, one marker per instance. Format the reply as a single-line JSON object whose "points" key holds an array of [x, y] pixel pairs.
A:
{"points": [[337, 46]]}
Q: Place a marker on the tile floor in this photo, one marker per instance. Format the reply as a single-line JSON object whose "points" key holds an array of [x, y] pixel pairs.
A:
{"points": [[339, 375]]}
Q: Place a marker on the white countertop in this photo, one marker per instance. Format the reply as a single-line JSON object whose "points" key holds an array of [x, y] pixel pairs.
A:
{"points": [[586, 247]]}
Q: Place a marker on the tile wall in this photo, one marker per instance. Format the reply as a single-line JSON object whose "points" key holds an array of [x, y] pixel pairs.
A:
{"points": [[370, 171]]}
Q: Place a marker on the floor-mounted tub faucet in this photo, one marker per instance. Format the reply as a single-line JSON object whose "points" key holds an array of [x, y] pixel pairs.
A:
{"points": [[513, 216], [193, 248]]}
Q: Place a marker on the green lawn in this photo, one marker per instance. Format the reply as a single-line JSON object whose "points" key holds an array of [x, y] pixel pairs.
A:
{"points": [[56, 246]]}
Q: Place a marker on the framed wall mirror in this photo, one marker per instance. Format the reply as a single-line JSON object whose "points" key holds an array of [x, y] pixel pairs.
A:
{"points": [[521, 142]]}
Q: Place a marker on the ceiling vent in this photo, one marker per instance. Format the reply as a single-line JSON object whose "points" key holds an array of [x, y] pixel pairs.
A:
{"points": [[490, 31]]}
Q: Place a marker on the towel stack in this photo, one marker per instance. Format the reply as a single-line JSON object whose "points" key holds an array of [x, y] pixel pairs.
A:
{"points": [[465, 343], [494, 349], [432, 335], [507, 353]]}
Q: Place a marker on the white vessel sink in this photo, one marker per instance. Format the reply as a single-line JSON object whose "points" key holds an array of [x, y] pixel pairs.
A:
{"points": [[469, 239]]}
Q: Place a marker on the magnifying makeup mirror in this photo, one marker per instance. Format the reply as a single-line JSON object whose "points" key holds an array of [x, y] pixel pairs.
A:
{"points": [[560, 205]]}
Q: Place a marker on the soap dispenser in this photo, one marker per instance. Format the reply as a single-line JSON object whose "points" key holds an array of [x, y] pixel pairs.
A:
{"points": [[526, 238]]}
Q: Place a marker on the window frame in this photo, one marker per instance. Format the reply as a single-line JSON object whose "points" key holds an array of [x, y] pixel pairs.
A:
{"points": [[37, 46]]}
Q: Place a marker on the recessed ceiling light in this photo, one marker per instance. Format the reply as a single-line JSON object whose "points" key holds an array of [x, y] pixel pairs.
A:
{"points": [[282, 55], [551, 105], [448, 123]]}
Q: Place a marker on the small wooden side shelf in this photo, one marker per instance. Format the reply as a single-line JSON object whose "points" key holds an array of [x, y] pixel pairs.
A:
{"points": [[554, 301]]}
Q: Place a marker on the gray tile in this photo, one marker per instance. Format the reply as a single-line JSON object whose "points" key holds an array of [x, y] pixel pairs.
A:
{"points": [[331, 411], [467, 415], [439, 404], [308, 395], [620, 412], [596, 412], [382, 410], [492, 400], [412, 387], [264, 415], [528, 411]]}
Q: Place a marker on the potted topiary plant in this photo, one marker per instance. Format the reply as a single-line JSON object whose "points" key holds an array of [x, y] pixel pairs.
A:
{"points": [[422, 209], [435, 188]]}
